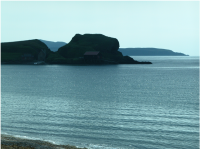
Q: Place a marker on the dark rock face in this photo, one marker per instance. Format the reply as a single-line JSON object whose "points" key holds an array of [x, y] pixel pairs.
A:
{"points": [[89, 42]]}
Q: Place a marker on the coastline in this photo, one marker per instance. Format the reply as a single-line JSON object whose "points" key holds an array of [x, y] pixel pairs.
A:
{"points": [[11, 142]]}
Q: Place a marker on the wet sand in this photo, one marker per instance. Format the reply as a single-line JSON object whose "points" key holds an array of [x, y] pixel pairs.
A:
{"points": [[10, 142]]}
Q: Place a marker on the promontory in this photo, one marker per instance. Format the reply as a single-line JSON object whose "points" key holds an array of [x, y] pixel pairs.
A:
{"points": [[82, 49]]}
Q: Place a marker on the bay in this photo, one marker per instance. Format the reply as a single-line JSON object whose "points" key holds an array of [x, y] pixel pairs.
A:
{"points": [[104, 106]]}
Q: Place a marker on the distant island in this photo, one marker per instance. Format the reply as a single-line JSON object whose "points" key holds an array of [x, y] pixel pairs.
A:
{"points": [[82, 49], [53, 46], [149, 52]]}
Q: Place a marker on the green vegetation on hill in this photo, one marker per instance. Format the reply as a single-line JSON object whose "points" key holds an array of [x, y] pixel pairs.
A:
{"points": [[11, 52]]}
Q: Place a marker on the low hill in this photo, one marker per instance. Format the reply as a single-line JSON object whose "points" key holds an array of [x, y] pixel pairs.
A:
{"points": [[149, 52], [53, 46], [22, 51]]}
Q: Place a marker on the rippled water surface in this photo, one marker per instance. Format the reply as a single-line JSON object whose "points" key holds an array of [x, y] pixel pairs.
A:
{"points": [[108, 106]]}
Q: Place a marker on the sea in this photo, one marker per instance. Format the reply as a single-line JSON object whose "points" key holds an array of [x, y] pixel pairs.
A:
{"points": [[121, 106]]}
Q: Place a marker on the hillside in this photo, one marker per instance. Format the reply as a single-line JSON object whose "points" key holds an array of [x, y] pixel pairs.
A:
{"points": [[22, 51], [53, 46], [149, 52]]}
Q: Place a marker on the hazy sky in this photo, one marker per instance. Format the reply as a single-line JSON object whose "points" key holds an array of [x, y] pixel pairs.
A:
{"points": [[160, 24]]}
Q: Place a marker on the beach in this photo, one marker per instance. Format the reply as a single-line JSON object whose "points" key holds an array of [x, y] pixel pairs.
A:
{"points": [[10, 142]]}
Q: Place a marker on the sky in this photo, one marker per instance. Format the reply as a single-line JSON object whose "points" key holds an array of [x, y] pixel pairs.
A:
{"points": [[172, 25]]}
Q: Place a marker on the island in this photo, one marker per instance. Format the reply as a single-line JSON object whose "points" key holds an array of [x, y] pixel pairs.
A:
{"points": [[149, 52], [53, 46], [84, 49]]}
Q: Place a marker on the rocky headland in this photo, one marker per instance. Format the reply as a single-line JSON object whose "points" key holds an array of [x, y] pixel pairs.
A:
{"points": [[82, 49]]}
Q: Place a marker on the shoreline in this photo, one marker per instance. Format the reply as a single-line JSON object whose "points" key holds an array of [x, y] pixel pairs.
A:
{"points": [[12, 142]]}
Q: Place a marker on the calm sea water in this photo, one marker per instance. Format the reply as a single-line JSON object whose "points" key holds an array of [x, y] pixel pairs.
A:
{"points": [[110, 106]]}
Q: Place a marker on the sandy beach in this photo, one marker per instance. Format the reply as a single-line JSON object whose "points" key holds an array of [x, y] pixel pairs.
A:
{"points": [[10, 142]]}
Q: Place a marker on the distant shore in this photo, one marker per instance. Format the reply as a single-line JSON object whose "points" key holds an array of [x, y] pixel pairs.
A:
{"points": [[10, 142]]}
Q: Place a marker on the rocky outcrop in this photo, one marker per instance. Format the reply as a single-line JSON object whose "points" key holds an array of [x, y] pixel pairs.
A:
{"points": [[89, 42], [107, 46]]}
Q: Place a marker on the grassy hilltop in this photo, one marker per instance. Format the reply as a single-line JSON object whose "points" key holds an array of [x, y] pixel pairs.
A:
{"points": [[11, 52]]}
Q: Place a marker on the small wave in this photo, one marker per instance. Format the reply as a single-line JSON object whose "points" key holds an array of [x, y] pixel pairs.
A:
{"points": [[102, 146]]}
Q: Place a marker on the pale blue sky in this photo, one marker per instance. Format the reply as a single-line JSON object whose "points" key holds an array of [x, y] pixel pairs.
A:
{"points": [[169, 25]]}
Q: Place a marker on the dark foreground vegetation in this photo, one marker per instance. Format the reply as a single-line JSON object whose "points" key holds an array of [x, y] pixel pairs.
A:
{"points": [[82, 49], [9, 142]]}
